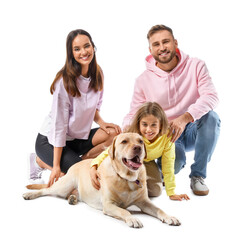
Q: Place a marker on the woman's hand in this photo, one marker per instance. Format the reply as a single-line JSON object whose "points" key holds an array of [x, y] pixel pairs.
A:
{"points": [[56, 170], [179, 197], [105, 126], [55, 175], [94, 175]]}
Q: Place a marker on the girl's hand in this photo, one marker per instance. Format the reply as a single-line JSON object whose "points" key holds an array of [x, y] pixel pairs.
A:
{"points": [[105, 126], [94, 175], [55, 175], [179, 197]]}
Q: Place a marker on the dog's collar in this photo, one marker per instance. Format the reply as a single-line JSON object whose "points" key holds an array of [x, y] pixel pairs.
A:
{"points": [[139, 183]]}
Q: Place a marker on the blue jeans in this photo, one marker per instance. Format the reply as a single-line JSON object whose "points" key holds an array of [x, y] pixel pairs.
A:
{"points": [[201, 136]]}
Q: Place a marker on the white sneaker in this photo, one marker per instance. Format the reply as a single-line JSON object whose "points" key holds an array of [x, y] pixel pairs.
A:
{"points": [[198, 186], [35, 170]]}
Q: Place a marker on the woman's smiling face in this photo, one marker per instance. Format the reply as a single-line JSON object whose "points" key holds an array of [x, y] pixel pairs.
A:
{"points": [[83, 51]]}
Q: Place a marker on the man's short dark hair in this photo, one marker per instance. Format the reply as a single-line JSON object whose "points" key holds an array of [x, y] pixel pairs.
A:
{"points": [[158, 28]]}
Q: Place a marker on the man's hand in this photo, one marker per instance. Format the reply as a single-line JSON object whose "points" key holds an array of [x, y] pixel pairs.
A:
{"points": [[177, 126]]}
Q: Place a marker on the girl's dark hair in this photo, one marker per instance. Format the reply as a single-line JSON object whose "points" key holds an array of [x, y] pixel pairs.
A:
{"points": [[72, 69], [149, 108]]}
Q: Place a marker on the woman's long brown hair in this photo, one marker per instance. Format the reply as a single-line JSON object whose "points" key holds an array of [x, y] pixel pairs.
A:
{"points": [[72, 69]]}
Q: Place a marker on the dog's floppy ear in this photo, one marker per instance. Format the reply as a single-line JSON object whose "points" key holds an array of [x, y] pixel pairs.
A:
{"points": [[111, 150]]}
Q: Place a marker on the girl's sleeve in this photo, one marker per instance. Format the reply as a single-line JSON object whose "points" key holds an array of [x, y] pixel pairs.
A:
{"points": [[100, 158], [168, 162], [59, 116]]}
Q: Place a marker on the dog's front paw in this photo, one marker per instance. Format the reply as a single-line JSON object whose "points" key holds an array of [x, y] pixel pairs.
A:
{"points": [[133, 222], [28, 196], [171, 221]]}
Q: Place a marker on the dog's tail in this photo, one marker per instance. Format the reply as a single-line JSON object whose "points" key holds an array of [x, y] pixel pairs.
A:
{"points": [[36, 186]]}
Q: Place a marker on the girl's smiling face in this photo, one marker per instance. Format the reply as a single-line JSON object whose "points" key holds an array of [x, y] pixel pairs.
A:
{"points": [[149, 127]]}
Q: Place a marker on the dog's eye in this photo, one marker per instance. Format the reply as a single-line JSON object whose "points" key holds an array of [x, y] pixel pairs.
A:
{"points": [[124, 142], [141, 141]]}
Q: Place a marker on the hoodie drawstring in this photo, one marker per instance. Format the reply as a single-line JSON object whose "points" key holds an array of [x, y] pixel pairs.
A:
{"points": [[171, 90]]}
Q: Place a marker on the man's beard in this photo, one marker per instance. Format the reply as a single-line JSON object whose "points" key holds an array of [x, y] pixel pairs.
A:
{"points": [[172, 55]]}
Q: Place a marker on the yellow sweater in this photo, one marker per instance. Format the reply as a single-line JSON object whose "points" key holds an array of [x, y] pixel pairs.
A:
{"points": [[162, 146]]}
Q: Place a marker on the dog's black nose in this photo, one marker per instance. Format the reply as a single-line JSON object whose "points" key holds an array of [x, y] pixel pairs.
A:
{"points": [[137, 149]]}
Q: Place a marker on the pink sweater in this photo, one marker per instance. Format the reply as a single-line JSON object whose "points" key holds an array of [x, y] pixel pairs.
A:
{"points": [[187, 88], [71, 117]]}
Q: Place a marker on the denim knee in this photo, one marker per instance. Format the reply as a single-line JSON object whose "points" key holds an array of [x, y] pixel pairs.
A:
{"points": [[180, 160], [210, 123], [178, 166], [211, 119]]}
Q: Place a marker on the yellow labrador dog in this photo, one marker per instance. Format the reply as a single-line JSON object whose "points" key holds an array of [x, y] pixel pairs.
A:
{"points": [[123, 183]]}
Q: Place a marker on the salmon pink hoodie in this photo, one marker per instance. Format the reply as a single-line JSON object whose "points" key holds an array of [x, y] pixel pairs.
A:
{"points": [[187, 88]]}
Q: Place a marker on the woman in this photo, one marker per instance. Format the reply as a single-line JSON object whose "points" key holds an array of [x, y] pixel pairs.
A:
{"points": [[77, 96]]}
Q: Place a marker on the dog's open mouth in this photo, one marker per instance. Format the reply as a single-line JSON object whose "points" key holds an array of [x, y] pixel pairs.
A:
{"points": [[133, 163]]}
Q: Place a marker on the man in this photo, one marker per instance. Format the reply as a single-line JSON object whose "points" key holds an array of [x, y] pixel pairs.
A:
{"points": [[183, 88]]}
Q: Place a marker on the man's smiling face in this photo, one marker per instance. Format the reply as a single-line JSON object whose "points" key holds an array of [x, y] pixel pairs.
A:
{"points": [[162, 46]]}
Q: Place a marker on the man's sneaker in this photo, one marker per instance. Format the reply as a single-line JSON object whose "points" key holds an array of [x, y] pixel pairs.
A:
{"points": [[198, 186], [35, 170]]}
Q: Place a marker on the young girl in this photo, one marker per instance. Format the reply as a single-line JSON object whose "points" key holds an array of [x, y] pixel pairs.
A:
{"points": [[77, 96], [151, 122]]}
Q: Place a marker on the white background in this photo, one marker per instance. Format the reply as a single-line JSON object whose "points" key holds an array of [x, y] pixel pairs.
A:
{"points": [[32, 50]]}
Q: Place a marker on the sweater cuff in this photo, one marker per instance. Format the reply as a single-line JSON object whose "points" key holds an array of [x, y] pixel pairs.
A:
{"points": [[170, 192], [94, 162]]}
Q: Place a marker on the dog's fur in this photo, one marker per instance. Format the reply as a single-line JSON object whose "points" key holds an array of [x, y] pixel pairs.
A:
{"points": [[122, 178]]}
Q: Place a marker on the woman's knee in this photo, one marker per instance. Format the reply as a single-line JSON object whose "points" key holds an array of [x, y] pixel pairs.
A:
{"points": [[112, 134], [102, 137]]}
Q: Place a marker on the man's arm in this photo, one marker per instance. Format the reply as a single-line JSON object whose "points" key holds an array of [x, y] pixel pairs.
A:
{"points": [[208, 97], [207, 101]]}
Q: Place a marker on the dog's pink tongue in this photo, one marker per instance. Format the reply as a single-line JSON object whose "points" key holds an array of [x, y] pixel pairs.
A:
{"points": [[135, 165]]}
